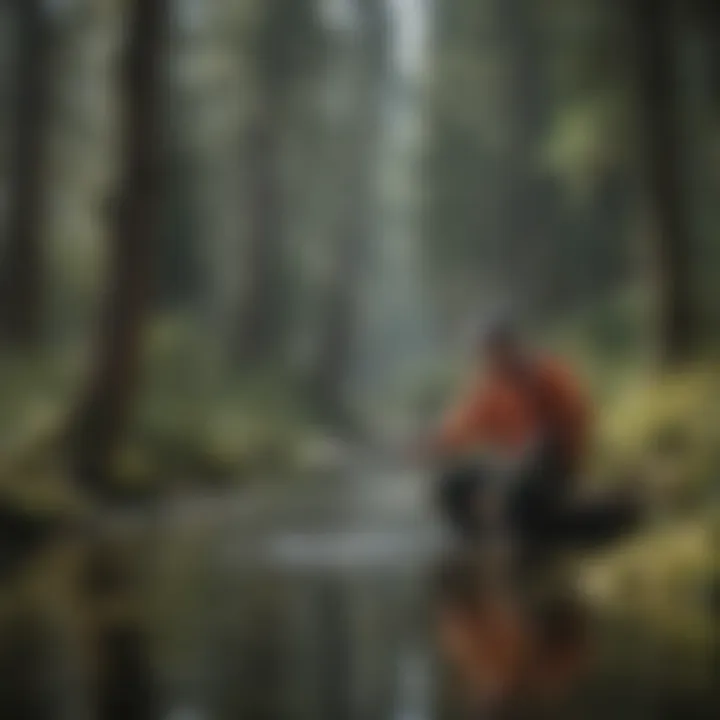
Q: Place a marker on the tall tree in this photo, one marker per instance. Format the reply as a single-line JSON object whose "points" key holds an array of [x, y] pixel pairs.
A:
{"points": [[341, 295], [103, 413], [261, 313], [526, 197], [710, 18], [364, 67], [285, 40], [21, 271], [491, 109], [177, 247], [654, 36]]}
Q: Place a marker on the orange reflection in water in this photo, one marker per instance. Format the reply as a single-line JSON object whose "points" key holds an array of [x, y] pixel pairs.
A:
{"points": [[506, 650]]}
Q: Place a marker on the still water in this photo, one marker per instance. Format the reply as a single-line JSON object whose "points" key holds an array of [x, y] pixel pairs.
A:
{"points": [[310, 600]]}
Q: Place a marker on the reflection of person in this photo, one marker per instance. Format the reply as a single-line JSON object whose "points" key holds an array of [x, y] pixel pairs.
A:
{"points": [[533, 413], [508, 658]]}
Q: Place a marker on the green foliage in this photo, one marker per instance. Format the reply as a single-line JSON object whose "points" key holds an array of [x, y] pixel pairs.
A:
{"points": [[667, 428], [35, 397], [588, 141], [608, 337], [196, 424], [655, 591], [656, 595], [189, 426]]}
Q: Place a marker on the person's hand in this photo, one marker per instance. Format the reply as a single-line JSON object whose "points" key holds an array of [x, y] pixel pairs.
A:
{"points": [[424, 449]]}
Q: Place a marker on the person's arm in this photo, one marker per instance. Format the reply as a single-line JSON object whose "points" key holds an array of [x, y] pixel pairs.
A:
{"points": [[577, 410], [463, 426]]}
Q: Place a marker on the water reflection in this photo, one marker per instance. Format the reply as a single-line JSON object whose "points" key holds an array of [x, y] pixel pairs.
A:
{"points": [[303, 635], [322, 642], [511, 652], [342, 600], [351, 615]]}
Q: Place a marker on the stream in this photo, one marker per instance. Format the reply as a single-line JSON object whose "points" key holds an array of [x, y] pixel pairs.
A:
{"points": [[310, 602], [309, 599]]}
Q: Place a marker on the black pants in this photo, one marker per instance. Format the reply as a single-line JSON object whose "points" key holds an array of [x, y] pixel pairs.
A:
{"points": [[539, 508]]}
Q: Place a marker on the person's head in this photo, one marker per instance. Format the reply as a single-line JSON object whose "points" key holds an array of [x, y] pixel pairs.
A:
{"points": [[499, 346]]}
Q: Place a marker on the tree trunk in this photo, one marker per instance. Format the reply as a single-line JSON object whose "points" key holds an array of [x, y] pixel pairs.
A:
{"points": [[285, 46], [177, 276], [261, 314], [654, 39], [103, 413], [21, 275], [709, 17], [522, 216], [335, 350], [364, 69]]}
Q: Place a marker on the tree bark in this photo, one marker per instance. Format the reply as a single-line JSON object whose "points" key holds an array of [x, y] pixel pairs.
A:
{"points": [[261, 314], [659, 128], [336, 342], [709, 19], [21, 274], [341, 291], [335, 350], [104, 411], [523, 221], [286, 44], [176, 258]]}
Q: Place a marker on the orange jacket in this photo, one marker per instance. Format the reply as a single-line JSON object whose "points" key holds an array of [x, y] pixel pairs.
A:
{"points": [[498, 413]]}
